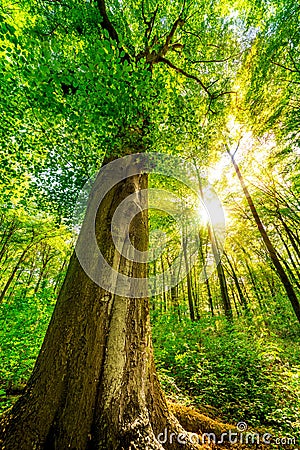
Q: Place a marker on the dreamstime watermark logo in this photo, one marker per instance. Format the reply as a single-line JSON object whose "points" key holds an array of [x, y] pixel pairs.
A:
{"points": [[238, 436], [93, 197]]}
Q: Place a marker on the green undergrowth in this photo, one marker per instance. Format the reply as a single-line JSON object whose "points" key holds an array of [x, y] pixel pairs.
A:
{"points": [[246, 372], [242, 374], [23, 324]]}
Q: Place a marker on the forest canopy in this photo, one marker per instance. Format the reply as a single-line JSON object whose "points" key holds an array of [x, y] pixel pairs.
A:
{"points": [[189, 111]]}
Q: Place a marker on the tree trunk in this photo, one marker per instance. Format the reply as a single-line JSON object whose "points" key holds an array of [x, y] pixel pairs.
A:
{"points": [[174, 291], [235, 303], [45, 262], [15, 285], [271, 250], [256, 287], [237, 283], [201, 253], [290, 234], [195, 291], [164, 295], [94, 385], [6, 237], [295, 264], [188, 280], [12, 275], [224, 291]]}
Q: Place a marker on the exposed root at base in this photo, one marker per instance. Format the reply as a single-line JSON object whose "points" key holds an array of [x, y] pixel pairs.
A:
{"points": [[195, 422]]}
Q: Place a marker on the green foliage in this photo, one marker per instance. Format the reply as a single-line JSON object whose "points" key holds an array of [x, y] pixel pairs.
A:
{"points": [[23, 322], [245, 376], [71, 94]]}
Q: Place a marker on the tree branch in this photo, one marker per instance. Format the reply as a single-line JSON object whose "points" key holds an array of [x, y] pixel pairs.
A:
{"points": [[106, 23], [284, 67], [183, 72], [146, 22], [178, 23], [293, 61], [151, 23], [215, 96], [198, 36]]}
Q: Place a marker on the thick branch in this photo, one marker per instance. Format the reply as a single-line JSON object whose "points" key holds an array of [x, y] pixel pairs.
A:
{"points": [[106, 23], [178, 23], [150, 22], [143, 14]]}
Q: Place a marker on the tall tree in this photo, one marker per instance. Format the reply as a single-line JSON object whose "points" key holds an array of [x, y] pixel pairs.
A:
{"points": [[292, 296], [115, 73]]}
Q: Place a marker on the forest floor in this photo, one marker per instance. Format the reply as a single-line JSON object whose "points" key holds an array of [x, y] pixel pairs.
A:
{"points": [[205, 428], [214, 434], [218, 379], [242, 379]]}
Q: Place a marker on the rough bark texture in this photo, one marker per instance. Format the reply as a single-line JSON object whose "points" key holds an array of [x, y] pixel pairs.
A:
{"points": [[94, 384]]}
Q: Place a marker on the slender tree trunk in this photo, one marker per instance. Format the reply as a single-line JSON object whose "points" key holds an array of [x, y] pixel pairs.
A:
{"points": [[290, 234], [154, 287], [256, 287], [271, 250], [291, 257], [7, 237], [195, 291], [12, 275], [164, 296], [210, 300], [174, 291], [29, 279], [237, 283], [42, 272], [235, 303], [224, 292], [188, 280], [289, 271], [15, 284]]}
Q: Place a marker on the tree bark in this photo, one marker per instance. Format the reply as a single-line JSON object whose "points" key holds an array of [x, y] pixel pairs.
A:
{"points": [[94, 385]]}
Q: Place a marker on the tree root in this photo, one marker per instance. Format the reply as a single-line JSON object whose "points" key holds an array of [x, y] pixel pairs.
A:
{"points": [[195, 422]]}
